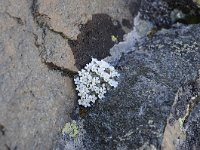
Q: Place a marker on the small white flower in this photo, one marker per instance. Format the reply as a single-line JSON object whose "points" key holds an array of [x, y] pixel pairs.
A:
{"points": [[106, 77], [94, 80], [113, 83], [101, 95]]}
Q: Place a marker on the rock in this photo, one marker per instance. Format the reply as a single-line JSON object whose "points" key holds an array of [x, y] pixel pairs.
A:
{"points": [[141, 29], [164, 13], [35, 102], [179, 131], [197, 2], [157, 12], [37, 65], [57, 51], [88, 26], [187, 6], [95, 39], [67, 16], [193, 135], [134, 115]]}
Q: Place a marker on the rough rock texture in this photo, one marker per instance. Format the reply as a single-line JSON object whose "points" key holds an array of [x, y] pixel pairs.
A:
{"points": [[95, 39], [163, 13], [193, 130], [67, 15], [182, 129], [185, 5], [156, 11], [35, 102], [37, 65], [56, 50], [88, 26], [134, 115], [141, 29]]}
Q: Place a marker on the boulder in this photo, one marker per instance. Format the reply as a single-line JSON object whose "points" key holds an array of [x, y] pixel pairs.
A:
{"points": [[134, 115], [35, 100]]}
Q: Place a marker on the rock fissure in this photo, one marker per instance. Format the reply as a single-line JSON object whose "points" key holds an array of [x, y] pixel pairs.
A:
{"points": [[43, 20], [17, 19], [47, 50], [64, 71]]}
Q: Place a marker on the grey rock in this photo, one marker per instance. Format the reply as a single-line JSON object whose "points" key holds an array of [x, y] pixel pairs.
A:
{"points": [[193, 127], [164, 13], [66, 16], [157, 12], [140, 30], [134, 115], [57, 51], [35, 101], [187, 6], [37, 65]]}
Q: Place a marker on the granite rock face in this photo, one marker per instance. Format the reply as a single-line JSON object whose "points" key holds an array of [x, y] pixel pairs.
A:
{"points": [[134, 115]]}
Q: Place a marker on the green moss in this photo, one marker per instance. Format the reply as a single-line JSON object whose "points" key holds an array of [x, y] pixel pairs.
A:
{"points": [[152, 32], [71, 129], [189, 109], [114, 39]]}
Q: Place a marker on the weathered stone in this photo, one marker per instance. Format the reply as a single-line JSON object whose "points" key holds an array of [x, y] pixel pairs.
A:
{"points": [[35, 102], [95, 39], [192, 130], [157, 12], [164, 13], [134, 115], [67, 15], [36, 65], [57, 51], [187, 6]]}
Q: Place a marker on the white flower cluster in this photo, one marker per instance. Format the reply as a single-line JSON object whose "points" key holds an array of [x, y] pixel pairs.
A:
{"points": [[94, 81]]}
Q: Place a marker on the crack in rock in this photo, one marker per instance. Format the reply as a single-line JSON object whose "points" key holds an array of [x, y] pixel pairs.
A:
{"points": [[43, 20], [53, 48], [17, 19], [64, 71]]}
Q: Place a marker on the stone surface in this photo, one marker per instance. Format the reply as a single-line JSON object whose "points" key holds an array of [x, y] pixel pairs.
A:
{"points": [[158, 75], [95, 40], [35, 101], [141, 29], [185, 5], [134, 115], [157, 12], [67, 15], [164, 13], [88, 26], [37, 64], [192, 140], [57, 51]]}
